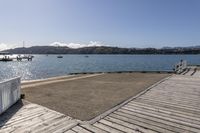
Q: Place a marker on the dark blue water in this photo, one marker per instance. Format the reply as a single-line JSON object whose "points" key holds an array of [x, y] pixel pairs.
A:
{"points": [[44, 66]]}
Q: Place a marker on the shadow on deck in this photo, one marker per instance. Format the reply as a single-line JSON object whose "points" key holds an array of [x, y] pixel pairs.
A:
{"points": [[7, 115]]}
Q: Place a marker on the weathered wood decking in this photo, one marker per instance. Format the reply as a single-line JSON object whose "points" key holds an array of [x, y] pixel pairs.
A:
{"points": [[33, 118], [172, 105], [192, 71]]}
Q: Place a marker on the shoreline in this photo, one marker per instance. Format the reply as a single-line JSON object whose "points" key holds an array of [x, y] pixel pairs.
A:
{"points": [[57, 80], [84, 73]]}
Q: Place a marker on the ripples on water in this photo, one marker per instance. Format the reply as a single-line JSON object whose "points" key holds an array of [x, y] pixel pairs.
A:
{"points": [[44, 66]]}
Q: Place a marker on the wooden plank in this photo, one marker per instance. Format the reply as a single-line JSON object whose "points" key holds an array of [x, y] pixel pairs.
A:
{"points": [[36, 118], [178, 87], [17, 125], [107, 128], [65, 128], [182, 93], [140, 123], [185, 89], [175, 103], [21, 112], [171, 98], [66, 124], [93, 128], [47, 127], [190, 72], [161, 109], [182, 102], [79, 129], [181, 78], [187, 83], [70, 131], [129, 125], [16, 118], [197, 74], [164, 114], [25, 126], [163, 124], [117, 126], [174, 95], [172, 124], [149, 120], [170, 105], [38, 122], [47, 124], [21, 120]]}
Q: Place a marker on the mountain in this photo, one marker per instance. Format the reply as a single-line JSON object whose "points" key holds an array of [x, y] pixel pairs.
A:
{"points": [[103, 50]]}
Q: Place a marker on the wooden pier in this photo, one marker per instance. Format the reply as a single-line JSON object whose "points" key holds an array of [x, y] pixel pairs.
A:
{"points": [[33, 118], [171, 105]]}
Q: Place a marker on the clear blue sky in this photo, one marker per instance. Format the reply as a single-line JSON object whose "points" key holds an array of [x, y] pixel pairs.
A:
{"points": [[124, 23]]}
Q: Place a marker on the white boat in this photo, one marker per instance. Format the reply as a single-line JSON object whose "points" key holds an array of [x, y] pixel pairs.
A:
{"points": [[5, 56]]}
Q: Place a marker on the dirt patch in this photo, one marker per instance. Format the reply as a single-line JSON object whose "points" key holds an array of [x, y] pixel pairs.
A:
{"points": [[88, 97]]}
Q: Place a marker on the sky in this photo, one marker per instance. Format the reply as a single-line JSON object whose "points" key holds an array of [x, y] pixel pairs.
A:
{"points": [[122, 23]]}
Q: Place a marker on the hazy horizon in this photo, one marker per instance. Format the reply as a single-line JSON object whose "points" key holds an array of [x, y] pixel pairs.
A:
{"points": [[92, 44], [77, 23]]}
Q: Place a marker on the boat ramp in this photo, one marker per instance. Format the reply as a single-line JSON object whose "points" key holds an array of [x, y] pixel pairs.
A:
{"points": [[168, 106]]}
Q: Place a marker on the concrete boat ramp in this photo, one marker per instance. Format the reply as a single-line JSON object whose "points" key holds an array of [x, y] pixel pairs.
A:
{"points": [[171, 105]]}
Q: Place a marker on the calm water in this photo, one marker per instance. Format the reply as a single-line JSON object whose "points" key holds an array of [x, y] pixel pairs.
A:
{"points": [[44, 66]]}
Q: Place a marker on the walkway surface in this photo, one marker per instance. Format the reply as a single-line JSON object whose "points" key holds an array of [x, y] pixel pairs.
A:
{"points": [[192, 71], [86, 96], [172, 105], [33, 118]]}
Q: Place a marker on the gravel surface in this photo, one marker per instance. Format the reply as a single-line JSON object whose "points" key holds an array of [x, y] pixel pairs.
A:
{"points": [[85, 98]]}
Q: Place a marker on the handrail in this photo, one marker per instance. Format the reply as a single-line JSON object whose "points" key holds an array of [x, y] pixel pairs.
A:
{"points": [[9, 93], [180, 67]]}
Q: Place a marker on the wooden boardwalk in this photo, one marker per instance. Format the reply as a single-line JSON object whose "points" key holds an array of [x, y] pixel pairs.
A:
{"points": [[33, 118], [192, 71], [172, 105]]}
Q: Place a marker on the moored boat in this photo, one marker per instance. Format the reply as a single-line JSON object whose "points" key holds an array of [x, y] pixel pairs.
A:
{"points": [[59, 56], [6, 58]]}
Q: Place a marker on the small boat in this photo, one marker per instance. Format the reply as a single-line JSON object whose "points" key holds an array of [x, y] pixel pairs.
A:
{"points": [[86, 56], [6, 58], [19, 58], [59, 56], [28, 57]]}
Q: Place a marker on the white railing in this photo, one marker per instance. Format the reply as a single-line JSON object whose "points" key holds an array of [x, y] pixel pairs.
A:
{"points": [[9, 93], [180, 67]]}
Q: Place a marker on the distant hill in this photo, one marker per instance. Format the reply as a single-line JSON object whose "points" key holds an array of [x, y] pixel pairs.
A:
{"points": [[103, 50]]}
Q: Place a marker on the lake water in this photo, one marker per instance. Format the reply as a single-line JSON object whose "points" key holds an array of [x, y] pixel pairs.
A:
{"points": [[44, 66]]}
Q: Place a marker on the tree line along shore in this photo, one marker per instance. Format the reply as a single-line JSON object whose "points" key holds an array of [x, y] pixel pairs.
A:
{"points": [[102, 50]]}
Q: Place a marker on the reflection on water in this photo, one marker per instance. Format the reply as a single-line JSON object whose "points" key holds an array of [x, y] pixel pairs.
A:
{"points": [[44, 66]]}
